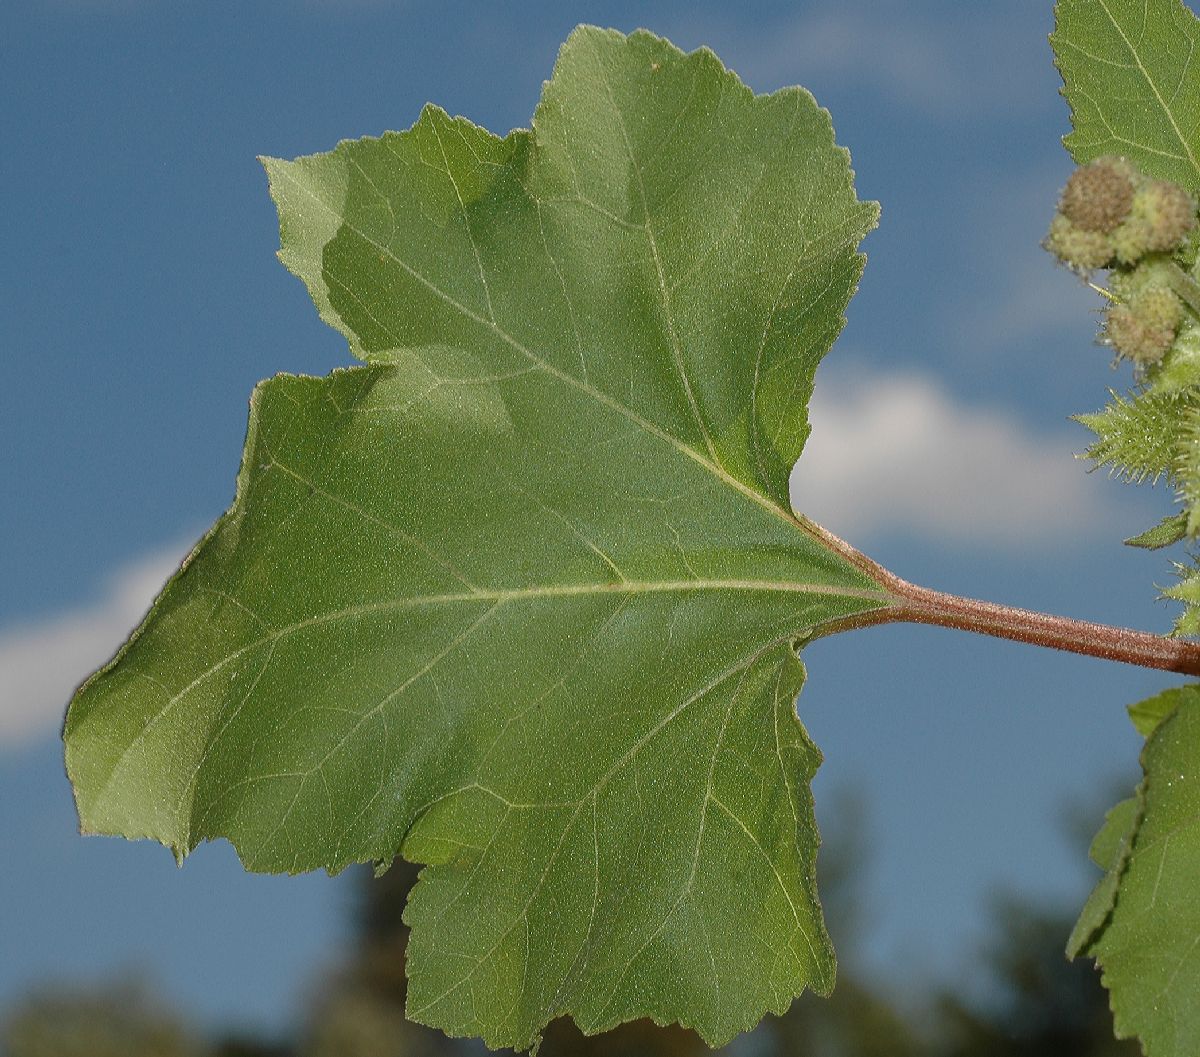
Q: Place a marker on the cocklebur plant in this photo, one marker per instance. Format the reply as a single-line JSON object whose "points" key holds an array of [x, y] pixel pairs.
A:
{"points": [[1144, 231], [1143, 326], [521, 597]]}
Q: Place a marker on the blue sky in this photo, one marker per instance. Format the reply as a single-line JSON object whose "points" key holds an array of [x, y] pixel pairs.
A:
{"points": [[140, 300]]}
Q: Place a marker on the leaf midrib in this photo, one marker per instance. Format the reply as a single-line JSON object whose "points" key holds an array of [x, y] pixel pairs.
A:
{"points": [[582, 386], [496, 597], [503, 595], [663, 293]]}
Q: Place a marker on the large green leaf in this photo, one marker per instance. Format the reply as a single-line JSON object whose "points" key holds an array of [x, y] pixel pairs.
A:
{"points": [[1131, 72], [521, 599], [1142, 923]]}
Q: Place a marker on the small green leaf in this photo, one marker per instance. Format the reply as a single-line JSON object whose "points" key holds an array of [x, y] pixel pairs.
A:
{"points": [[521, 599], [1138, 434], [1147, 715], [1188, 623], [1110, 851], [1168, 531], [1131, 73], [1148, 945], [1186, 591]]}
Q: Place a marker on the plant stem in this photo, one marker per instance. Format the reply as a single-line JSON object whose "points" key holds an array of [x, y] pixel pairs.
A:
{"points": [[921, 605], [1186, 287]]}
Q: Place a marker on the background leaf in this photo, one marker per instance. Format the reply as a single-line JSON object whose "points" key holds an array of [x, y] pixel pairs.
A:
{"points": [[521, 598], [1132, 77], [1147, 715], [1148, 941]]}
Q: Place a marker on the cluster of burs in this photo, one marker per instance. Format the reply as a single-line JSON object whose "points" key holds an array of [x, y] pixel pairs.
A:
{"points": [[1145, 232]]}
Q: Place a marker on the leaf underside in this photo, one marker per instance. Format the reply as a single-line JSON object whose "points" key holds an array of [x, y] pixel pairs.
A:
{"points": [[1131, 74], [520, 598], [1142, 923]]}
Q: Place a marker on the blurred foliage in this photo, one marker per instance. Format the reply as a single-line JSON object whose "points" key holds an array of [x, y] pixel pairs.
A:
{"points": [[1041, 1003], [1038, 1004], [113, 1022]]}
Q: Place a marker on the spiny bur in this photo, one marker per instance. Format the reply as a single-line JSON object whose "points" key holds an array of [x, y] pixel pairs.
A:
{"points": [[1097, 198], [1077, 247], [1099, 195], [1143, 328], [1162, 217], [1170, 213], [1110, 214]]}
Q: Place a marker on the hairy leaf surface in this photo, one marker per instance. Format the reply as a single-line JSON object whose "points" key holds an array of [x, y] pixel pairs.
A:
{"points": [[1168, 531], [520, 599], [1131, 71], [1110, 851], [1148, 941]]}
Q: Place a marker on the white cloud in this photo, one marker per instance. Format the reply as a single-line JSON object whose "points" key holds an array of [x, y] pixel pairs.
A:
{"points": [[897, 452], [42, 662]]}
